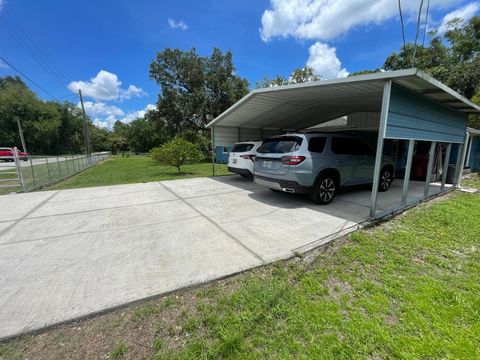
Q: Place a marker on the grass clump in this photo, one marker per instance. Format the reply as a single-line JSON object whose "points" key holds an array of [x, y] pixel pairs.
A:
{"points": [[118, 351]]}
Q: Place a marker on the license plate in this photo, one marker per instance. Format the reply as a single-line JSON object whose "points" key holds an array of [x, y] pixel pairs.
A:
{"points": [[267, 164], [234, 161]]}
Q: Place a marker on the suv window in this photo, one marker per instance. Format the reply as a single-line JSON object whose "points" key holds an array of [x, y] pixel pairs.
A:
{"points": [[317, 144], [242, 147], [350, 146], [280, 145]]}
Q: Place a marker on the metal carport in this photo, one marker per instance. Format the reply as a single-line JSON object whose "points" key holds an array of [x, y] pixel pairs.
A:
{"points": [[411, 106]]}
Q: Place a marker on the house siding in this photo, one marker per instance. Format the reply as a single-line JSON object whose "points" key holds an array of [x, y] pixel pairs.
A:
{"points": [[412, 116]]}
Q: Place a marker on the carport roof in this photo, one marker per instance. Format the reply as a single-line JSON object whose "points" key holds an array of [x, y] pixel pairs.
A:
{"points": [[299, 106]]}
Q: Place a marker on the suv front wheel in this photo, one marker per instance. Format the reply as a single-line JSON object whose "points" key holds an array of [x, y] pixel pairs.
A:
{"points": [[325, 190]]}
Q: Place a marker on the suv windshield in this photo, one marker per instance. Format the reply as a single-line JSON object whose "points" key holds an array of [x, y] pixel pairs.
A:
{"points": [[242, 147], [280, 145]]}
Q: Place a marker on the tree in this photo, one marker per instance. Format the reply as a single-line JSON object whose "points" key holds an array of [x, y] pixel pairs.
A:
{"points": [[49, 127], [40, 120], [144, 134], [194, 89], [364, 72], [299, 75], [176, 152], [453, 58], [100, 138], [70, 138], [474, 120]]}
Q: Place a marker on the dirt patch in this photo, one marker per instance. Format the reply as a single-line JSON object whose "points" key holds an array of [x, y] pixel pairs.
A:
{"points": [[337, 288]]}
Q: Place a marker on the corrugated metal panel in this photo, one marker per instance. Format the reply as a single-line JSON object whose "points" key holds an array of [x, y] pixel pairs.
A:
{"points": [[412, 116], [229, 135], [225, 135], [270, 132], [300, 106], [364, 120], [247, 134]]}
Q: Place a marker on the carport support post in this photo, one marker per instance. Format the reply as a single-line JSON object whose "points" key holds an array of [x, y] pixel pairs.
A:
{"points": [[212, 135], [462, 161], [387, 87], [408, 170], [445, 166], [469, 152], [431, 155]]}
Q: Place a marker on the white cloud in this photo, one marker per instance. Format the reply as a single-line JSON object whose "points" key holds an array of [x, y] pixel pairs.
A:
{"points": [[105, 116], [329, 19], [132, 91], [106, 86], [96, 109], [465, 13], [137, 114], [324, 61], [180, 24]]}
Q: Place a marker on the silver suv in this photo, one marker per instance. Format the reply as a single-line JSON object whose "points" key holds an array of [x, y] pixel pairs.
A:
{"points": [[318, 164]]}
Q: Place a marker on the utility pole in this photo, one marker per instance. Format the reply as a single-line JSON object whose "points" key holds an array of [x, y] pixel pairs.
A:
{"points": [[85, 128], [20, 131]]}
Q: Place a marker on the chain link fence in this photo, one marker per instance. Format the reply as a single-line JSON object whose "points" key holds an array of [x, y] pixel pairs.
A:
{"points": [[35, 171]]}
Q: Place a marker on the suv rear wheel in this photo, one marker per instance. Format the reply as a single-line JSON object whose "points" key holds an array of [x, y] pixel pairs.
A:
{"points": [[325, 190], [386, 179]]}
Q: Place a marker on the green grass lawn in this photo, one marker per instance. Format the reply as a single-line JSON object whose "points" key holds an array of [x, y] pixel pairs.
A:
{"points": [[135, 169], [407, 289], [5, 176], [471, 180]]}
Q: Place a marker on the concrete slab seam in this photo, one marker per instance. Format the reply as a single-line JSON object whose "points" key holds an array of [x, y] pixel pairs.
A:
{"points": [[100, 196], [97, 231], [28, 213], [213, 223], [101, 209]]}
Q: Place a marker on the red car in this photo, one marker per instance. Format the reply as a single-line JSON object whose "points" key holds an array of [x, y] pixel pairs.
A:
{"points": [[7, 155]]}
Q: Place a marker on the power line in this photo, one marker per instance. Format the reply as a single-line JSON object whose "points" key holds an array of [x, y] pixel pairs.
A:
{"points": [[403, 26], [39, 50], [416, 34], [426, 20], [26, 77], [26, 42], [22, 42]]}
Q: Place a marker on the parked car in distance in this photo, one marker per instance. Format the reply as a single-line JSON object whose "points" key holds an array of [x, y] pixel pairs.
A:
{"points": [[318, 164], [7, 155], [242, 157]]}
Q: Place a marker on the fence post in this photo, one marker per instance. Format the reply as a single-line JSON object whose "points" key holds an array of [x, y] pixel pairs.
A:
{"points": [[33, 173], [66, 163], [19, 170], [59, 170], [48, 169]]}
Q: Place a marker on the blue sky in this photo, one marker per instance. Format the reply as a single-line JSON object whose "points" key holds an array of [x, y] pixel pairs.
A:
{"points": [[105, 47]]}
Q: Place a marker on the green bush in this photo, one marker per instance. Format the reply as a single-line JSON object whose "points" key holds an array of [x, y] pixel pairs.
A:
{"points": [[176, 152]]}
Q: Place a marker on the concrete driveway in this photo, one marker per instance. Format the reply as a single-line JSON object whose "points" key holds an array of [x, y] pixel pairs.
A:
{"points": [[70, 253]]}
